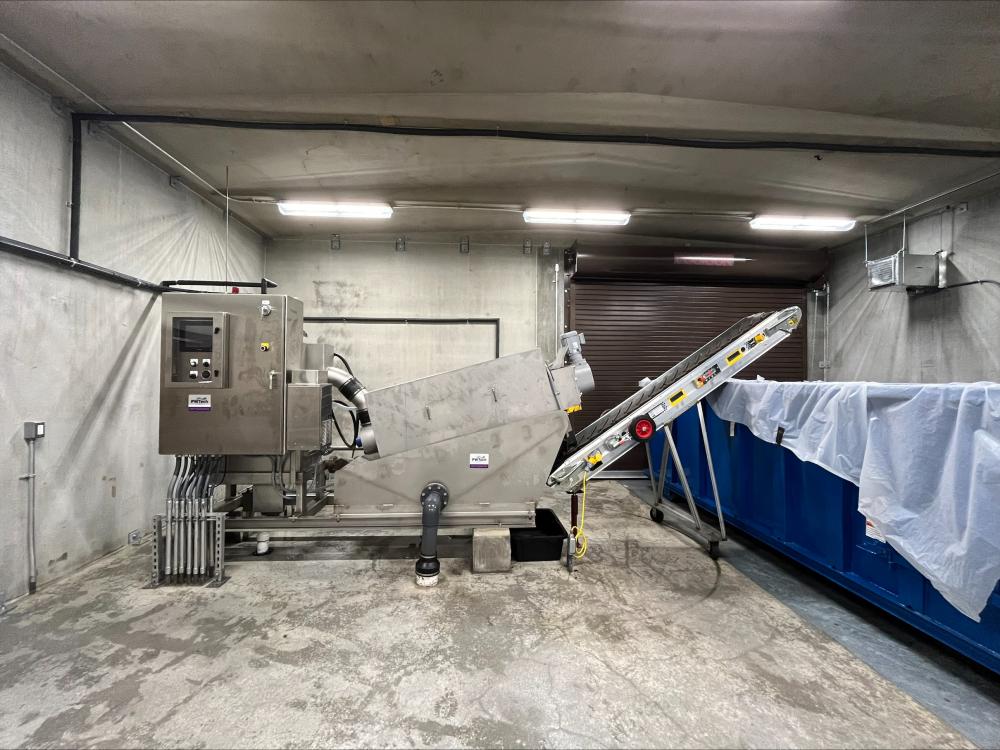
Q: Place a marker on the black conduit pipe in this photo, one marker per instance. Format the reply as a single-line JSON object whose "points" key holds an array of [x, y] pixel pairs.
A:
{"points": [[80, 266], [74, 197], [433, 500], [497, 132], [541, 135]]}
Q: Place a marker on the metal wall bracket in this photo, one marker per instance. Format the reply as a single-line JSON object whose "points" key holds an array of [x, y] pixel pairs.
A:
{"points": [[401, 244]]}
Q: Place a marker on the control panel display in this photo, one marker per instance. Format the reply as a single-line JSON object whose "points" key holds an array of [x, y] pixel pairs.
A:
{"points": [[197, 350], [193, 334]]}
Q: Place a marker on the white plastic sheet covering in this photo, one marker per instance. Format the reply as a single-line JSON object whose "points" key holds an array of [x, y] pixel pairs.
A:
{"points": [[926, 459], [83, 354]]}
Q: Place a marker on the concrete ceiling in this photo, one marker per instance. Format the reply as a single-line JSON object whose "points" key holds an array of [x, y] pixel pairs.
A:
{"points": [[896, 73]]}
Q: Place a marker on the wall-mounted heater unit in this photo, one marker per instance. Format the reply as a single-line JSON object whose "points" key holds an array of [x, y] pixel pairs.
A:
{"points": [[909, 270], [903, 269]]}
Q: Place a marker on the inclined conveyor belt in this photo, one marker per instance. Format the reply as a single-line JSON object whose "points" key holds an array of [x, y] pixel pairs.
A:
{"points": [[617, 431]]}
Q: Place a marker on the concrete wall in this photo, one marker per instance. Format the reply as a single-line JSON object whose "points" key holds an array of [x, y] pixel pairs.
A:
{"points": [[82, 353], [368, 277], [948, 336]]}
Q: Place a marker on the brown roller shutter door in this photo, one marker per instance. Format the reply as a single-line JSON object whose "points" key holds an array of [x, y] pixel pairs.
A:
{"points": [[636, 329]]}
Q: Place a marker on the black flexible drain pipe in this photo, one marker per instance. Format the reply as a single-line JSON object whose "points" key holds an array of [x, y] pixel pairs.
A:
{"points": [[433, 500]]}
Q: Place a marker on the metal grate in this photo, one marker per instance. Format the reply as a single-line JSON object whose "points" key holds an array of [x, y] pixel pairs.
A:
{"points": [[884, 271]]}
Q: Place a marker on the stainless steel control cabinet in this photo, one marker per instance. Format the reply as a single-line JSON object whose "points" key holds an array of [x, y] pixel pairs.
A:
{"points": [[223, 365]]}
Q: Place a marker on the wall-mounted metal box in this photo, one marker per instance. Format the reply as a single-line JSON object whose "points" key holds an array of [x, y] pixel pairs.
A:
{"points": [[310, 411], [222, 373], [903, 269]]}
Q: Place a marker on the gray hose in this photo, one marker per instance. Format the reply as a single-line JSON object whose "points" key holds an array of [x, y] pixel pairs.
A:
{"points": [[357, 394], [168, 521]]}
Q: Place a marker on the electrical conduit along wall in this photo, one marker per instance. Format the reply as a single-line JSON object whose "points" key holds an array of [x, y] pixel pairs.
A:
{"points": [[84, 353], [939, 337], [369, 278]]}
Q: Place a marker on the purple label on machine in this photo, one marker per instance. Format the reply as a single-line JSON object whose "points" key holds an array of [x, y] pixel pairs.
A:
{"points": [[199, 402], [479, 460]]}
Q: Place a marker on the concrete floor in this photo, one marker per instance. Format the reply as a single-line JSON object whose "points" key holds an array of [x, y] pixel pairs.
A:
{"points": [[961, 692], [650, 643]]}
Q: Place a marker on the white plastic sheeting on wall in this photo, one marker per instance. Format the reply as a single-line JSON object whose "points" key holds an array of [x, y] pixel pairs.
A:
{"points": [[944, 336], [84, 353], [34, 165], [926, 459], [135, 222]]}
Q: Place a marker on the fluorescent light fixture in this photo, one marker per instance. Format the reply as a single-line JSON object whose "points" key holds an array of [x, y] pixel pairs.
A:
{"points": [[328, 210], [803, 223], [593, 218]]}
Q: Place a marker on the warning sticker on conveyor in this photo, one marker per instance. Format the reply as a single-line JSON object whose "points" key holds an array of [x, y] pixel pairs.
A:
{"points": [[872, 533]]}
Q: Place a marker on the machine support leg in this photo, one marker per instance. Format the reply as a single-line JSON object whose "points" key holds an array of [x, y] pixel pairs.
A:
{"points": [[711, 472], [682, 476], [664, 468], [649, 463]]}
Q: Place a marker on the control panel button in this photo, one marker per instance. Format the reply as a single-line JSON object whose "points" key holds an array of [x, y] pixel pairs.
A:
{"points": [[193, 362], [206, 374], [206, 363], [193, 374]]}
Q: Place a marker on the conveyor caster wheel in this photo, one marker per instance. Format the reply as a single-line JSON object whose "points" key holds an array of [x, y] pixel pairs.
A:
{"points": [[656, 514], [713, 550], [642, 428]]}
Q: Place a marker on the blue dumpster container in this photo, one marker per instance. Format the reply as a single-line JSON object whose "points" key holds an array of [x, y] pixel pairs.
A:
{"points": [[811, 515]]}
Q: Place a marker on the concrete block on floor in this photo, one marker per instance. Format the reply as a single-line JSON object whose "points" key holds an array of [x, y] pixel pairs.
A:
{"points": [[491, 550]]}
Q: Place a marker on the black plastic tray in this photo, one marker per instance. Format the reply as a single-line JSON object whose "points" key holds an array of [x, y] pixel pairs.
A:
{"points": [[544, 542]]}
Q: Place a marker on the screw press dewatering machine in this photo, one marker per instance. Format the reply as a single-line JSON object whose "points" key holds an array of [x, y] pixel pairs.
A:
{"points": [[247, 408]]}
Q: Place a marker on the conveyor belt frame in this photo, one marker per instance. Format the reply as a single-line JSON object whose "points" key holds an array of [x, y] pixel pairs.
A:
{"points": [[673, 393]]}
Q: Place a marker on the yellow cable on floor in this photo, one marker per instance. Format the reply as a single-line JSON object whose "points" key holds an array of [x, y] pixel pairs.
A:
{"points": [[579, 538]]}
